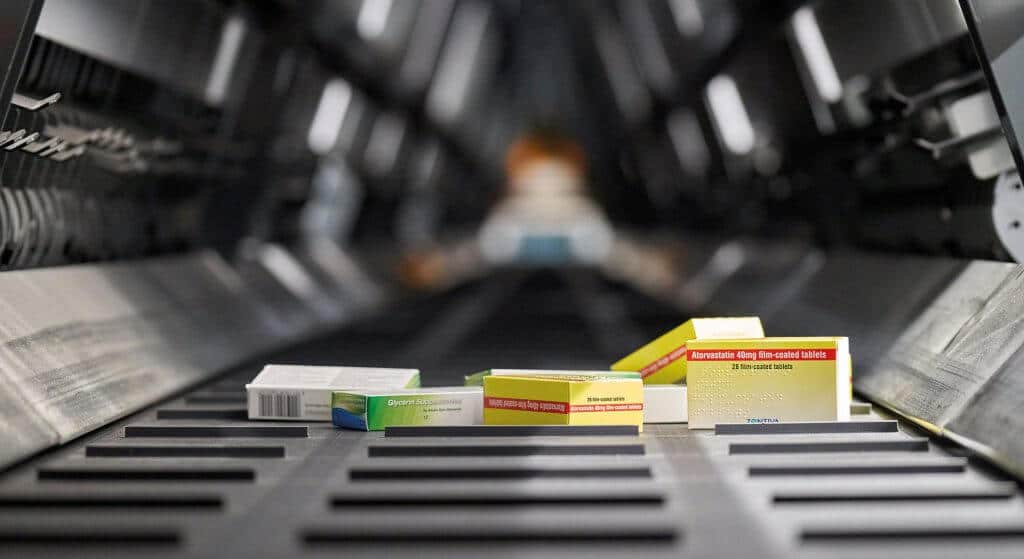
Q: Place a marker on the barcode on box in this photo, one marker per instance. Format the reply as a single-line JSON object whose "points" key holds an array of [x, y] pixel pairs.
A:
{"points": [[280, 404]]}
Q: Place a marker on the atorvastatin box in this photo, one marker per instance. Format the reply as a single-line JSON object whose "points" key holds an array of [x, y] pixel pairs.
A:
{"points": [[300, 392], [477, 379], [373, 410], [663, 361], [563, 400], [767, 380]]}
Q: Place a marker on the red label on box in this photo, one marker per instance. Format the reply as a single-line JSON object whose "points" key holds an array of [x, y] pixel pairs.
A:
{"points": [[663, 361], [525, 405], [554, 407], [761, 355]]}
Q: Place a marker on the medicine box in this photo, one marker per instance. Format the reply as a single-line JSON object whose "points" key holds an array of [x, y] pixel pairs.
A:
{"points": [[477, 379], [373, 410], [563, 400], [303, 393], [768, 380], [663, 361], [665, 403]]}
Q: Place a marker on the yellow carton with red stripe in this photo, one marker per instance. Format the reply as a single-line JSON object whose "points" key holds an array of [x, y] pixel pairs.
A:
{"points": [[563, 400], [768, 380], [663, 361]]}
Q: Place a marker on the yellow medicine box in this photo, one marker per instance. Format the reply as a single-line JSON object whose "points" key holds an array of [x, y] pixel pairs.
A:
{"points": [[477, 379], [767, 380], [663, 361], [563, 400]]}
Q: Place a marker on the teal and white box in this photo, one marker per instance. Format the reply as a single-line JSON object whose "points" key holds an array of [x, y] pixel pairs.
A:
{"points": [[373, 410], [303, 392]]}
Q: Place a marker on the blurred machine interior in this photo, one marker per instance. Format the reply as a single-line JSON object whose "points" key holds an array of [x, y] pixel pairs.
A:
{"points": [[192, 188]]}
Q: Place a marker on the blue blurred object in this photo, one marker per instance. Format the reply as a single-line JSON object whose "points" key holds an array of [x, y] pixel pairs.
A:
{"points": [[545, 249]]}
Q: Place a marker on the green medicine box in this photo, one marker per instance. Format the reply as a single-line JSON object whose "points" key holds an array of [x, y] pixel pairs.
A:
{"points": [[375, 410]]}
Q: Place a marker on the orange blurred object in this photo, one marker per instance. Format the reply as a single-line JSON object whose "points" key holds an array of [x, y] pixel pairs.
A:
{"points": [[542, 146]]}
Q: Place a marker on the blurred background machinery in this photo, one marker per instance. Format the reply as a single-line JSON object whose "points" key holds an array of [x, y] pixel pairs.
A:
{"points": [[189, 188]]}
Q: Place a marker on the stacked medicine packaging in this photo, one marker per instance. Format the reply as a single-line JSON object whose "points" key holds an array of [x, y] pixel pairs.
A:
{"points": [[662, 362], [705, 372], [734, 374]]}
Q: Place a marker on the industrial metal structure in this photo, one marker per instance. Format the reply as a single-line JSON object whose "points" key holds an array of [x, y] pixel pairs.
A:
{"points": [[192, 188]]}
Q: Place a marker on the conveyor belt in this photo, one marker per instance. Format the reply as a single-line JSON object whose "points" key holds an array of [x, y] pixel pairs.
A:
{"points": [[199, 486], [191, 477]]}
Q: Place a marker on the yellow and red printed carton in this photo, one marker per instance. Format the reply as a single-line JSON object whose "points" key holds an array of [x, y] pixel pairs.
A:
{"points": [[768, 380], [563, 400], [477, 379], [663, 361]]}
